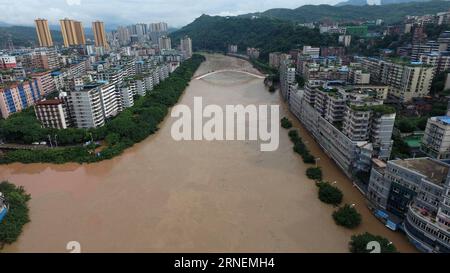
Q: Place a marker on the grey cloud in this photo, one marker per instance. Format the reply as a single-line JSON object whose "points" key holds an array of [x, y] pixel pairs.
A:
{"points": [[115, 12]]}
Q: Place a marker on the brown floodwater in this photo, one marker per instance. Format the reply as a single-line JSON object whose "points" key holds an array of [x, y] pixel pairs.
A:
{"points": [[191, 196]]}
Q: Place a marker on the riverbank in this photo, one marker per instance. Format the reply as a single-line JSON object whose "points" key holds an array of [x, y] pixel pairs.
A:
{"points": [[130, 126], [163, 195], [352, 195]]}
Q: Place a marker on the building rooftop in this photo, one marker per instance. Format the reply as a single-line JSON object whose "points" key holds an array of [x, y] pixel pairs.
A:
{"points": [[444, 119], [434, 170], [49, 102]]}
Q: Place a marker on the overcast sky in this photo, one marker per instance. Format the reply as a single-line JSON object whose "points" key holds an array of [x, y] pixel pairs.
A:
{"points": [[175, 12]]}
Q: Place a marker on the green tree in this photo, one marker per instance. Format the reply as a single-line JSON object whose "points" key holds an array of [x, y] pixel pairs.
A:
{"points": [[286, 123], [329, 194], [347, 216], [12, 225], [359, 243], [112, 139], [406, 126], [314, 173]]}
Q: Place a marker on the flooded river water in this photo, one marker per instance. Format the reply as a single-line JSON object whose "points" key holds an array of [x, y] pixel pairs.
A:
{"points": [[191, 196]]}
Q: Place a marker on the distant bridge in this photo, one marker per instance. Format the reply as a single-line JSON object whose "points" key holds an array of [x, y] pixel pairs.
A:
{"points": [[259, 76]]}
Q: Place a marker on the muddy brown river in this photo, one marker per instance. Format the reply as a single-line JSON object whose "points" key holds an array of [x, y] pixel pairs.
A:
{"points": [[191, 196]]}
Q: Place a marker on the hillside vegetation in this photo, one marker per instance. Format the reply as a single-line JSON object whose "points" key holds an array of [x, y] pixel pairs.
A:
{"points": [[216, 33], [389, 13], [23, 36]]}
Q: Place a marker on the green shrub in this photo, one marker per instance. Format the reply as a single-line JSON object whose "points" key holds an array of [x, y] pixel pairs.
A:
{"points": [[308, 158], [286, 123], [347, 216], [314, 173], [12, 225], [294, 136], [359, 243], [329, 194]]}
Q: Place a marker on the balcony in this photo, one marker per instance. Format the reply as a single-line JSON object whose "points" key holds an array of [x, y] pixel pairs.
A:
{"points": [[429, 217]]}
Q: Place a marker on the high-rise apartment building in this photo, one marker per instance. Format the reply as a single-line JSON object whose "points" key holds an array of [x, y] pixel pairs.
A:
{"points": [[92, 104], [165, 43], [72, 32], [100, 34], [79, 32], [123, 35], [140, 29], [157, 30], [186, 46], [43, 33], [158, 27], [287, 78], [52, 113]]}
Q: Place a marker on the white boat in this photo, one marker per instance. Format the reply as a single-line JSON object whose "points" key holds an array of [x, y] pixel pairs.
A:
{"points": [[3, 207]]}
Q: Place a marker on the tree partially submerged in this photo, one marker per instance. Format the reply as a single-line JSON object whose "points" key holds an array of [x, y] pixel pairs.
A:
{"points": [[314, 173], [12, 225], [363, 243], [286, 123], [329, 194], [347, 216]]}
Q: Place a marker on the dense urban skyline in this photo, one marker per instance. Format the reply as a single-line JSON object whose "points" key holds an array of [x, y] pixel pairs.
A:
{"points": [[125, 12]]}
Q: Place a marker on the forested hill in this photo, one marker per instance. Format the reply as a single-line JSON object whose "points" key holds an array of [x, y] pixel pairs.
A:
{"points": [[23, 36], [216, 33], [389, 13]]}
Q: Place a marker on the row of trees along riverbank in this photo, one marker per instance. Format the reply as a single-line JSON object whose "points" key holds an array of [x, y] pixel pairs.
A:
{"points": [[346, 215], [131, 126]]}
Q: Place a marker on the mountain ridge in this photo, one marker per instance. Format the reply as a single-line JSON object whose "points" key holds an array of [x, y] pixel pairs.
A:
{"points": [[390, 12]]}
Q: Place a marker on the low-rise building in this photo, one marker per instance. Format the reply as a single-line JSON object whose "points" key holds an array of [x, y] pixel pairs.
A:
{"points": [[311, 51], [40, 58], [407, 80], [440, 61], [253, 53], [16, 96], [7, 62], [417, 191], [275, 59], [359, 77]]}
